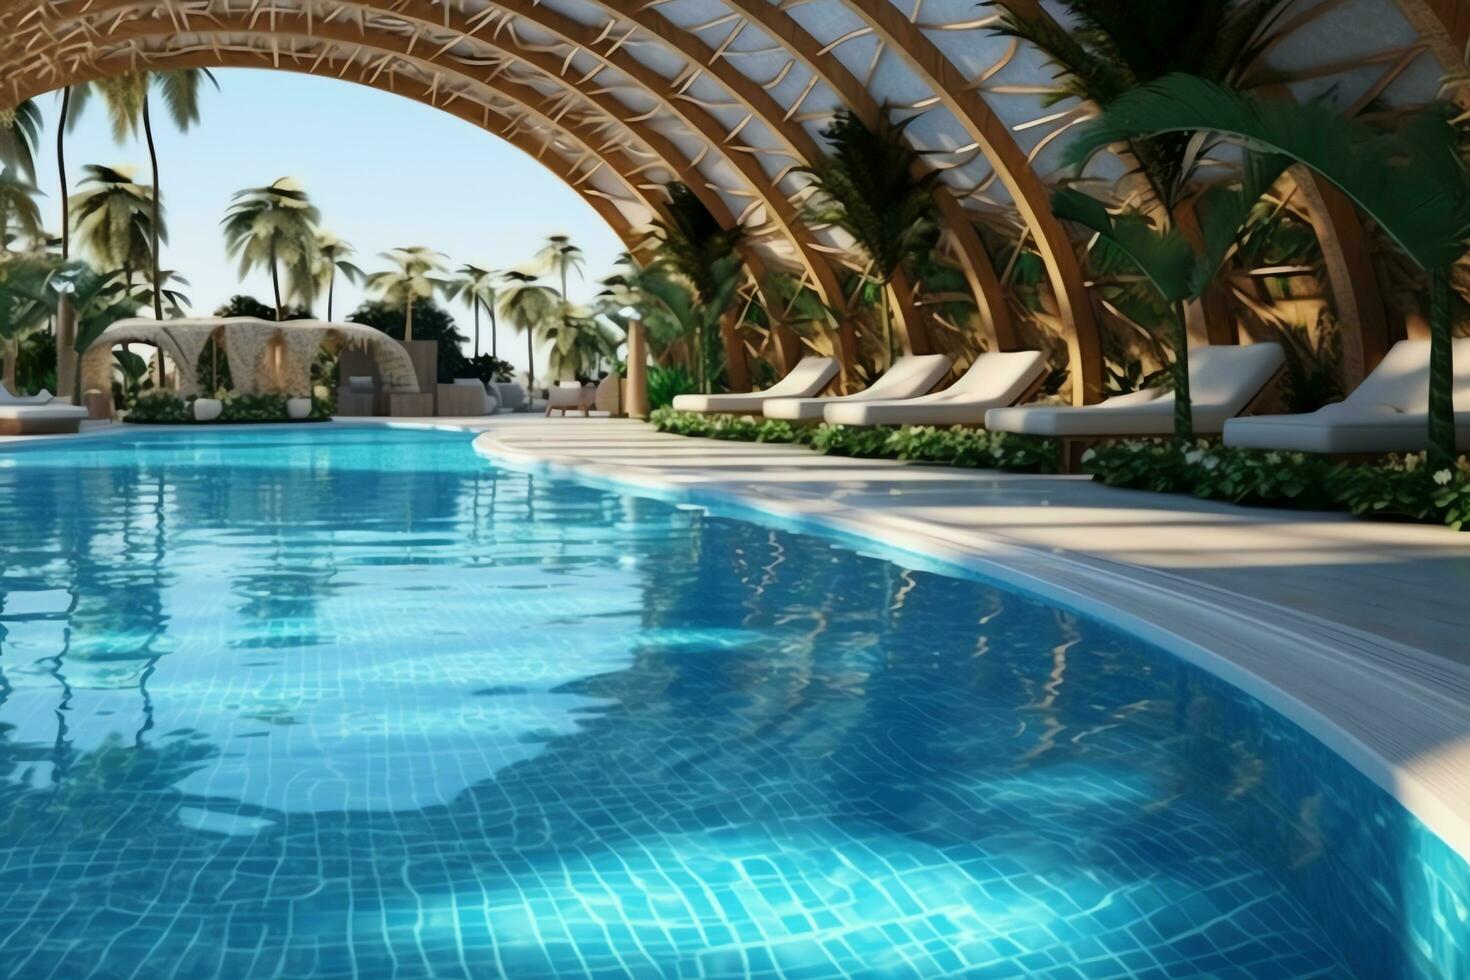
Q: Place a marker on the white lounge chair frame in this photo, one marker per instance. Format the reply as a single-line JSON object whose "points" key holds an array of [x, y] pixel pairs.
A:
{"points": [[810, 376], [993, 380]]}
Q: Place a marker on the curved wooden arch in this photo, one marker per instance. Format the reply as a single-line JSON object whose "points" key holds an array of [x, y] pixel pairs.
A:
{"points": [[757, 103], [661, 150], [1028, 192], [779, 25]]}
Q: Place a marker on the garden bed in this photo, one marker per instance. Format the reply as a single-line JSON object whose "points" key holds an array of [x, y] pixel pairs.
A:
{"points": [[1401, 487], [165, 409]]}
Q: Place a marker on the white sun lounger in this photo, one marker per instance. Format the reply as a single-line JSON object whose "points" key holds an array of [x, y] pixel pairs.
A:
{"points": [[1387, 413], [1223, 381], [810, 376], [39, 414], [993, 381], [907, 377]]}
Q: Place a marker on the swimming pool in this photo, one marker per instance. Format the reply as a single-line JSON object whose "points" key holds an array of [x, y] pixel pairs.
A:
{"points": [[356, 703]]}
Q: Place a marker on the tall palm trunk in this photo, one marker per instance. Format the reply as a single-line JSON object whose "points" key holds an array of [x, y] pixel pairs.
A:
{"points": [[1183, 409], [331, 289], [65, 312], [276, 282], [494, 332], [477, 328], [1441, 374], [530, 368], [408, 320], [154, 232]]}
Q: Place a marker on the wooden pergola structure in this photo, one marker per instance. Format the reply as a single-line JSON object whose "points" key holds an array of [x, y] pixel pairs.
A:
{"points": [[619, 97]]}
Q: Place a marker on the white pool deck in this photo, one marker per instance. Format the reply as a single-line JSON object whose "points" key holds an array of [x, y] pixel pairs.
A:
{"points": [[1357, 630]]}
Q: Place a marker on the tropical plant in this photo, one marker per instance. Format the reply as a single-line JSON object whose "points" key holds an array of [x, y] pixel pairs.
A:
{"points": [[560, 257], [1409, 181], [410, 280], [332, 255], [1170, 264], [20, 130], [528, 305], [476, 287], [578, 342], [870, 186], [670, 303], [666, 382], [269, 225], [23, 306], [113, 218], [694, 247], [20, 217], [99, 300], [130, 108], [1113, 46], [431, 323]]}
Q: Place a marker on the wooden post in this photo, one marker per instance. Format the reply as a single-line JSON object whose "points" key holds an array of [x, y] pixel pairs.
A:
{"points": [[637, 400]]}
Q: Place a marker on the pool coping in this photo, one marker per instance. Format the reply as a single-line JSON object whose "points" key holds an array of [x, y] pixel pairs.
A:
{"points": [[1376, 704], [1397, 714]]}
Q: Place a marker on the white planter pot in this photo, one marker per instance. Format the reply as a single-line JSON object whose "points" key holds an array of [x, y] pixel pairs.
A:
{"points": [[207, 409], [298, 408]]}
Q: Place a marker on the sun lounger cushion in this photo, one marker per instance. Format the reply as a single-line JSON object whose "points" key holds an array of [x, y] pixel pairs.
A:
{"points": [[908, 377], [993, 380], [809, 376], [1223, 380], [1387, 413]]}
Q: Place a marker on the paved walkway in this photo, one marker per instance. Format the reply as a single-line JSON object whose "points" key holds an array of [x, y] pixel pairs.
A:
{"points": [[1359, 630]]}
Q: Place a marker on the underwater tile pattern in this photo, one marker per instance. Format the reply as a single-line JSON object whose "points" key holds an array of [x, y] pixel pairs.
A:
{"points": [[354, 703]]}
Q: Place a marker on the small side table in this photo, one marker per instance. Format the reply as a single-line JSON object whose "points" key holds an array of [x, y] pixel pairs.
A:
{"points": [[99, 404], [411, 404]]}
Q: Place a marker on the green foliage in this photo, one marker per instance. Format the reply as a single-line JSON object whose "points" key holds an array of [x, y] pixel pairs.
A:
{"points": [[1117, 45], [254, 408], [1312, 377], [956, 446], [488, 368], [1406, 486], [240, 305], [1401, 486], [665, 382], [160, 408], [430, 322], [19, 134], [738, 428]]}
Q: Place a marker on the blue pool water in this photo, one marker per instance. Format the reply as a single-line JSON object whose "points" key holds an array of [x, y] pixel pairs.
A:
{"points": [[286, 703]]}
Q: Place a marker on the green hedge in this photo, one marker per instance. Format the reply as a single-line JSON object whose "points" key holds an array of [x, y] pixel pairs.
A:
{"points": [[956, 446], [1399, 486], [168, 409]]}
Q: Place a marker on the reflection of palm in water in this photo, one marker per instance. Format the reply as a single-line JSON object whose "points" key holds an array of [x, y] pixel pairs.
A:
{"points": [[850, 733]]}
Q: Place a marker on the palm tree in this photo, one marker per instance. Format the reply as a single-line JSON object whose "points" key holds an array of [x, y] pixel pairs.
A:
{"points": [[1113, 47], [578, 341], [411, 279], [869, 185], [692, 245], [476, 286], [22, 305], [528, 305], [332, 253], [113, 217], [129, 108], [20, 130], [19, 212], [270, 225], [561, 257], [1410, 182]]}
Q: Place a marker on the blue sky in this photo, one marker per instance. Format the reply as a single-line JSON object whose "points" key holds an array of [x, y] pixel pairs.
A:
{"points": [[385, 171]]}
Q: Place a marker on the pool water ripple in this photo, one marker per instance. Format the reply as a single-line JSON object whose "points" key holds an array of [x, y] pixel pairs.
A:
{"points": [[355, 703]]}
